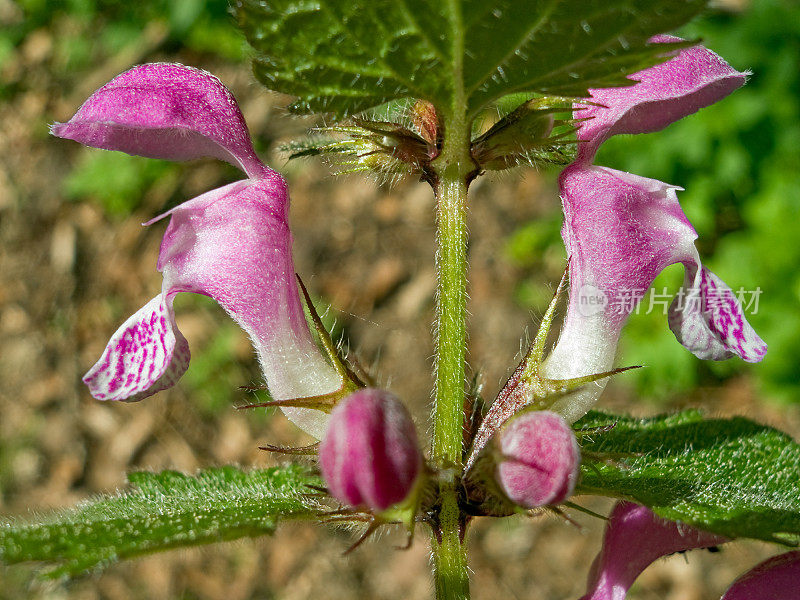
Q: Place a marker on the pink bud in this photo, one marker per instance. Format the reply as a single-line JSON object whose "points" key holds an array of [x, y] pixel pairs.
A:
{"points": [[775, 579], [540, 459], [370, 455]]}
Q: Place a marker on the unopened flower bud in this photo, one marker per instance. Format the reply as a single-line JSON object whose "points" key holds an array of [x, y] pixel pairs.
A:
{"points": [[538, 459], [370, 455]]}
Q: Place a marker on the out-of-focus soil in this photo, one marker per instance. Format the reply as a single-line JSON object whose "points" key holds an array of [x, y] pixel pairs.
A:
{"points": [[365, 249]]}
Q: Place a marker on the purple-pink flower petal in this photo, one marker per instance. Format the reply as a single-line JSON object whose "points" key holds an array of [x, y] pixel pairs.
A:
{"points": [[370, 455], [621, 230], [167, 111], [233, 244], [696, 77], [634, 539], [540, 459], [708, 319], [777, 578]]}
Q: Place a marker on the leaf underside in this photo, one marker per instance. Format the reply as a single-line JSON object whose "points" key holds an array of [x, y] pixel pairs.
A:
{"points": [[733, 476], [343, 57], [163, 511]]}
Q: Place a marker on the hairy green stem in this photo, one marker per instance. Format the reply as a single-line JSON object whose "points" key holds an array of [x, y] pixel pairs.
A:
{"points": [[449, 557], [451, 265], [452, 169], [451, 576]]}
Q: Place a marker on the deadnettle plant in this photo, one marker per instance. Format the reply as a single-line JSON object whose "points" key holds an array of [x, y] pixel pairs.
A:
{"points": [[562, 78]]}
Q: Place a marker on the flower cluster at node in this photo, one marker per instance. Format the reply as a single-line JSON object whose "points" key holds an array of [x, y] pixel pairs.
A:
{"points": [[621, 230]]}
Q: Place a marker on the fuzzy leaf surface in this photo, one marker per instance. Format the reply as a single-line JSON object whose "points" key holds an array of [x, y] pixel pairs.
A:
{"points": [[345, 56], [734, 477], [162, 511]]}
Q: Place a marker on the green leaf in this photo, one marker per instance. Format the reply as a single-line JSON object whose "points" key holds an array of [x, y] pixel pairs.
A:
{"points": [[733, 476], [164, 510], [344, 56]]}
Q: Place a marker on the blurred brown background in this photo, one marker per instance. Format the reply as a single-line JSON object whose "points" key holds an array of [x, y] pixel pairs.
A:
{"points": [[74, 263]]}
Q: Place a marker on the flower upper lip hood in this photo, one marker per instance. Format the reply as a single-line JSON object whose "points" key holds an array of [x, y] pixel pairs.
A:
{"points": [[166, 110], [694, 78], [232, 244], [621, 230]]}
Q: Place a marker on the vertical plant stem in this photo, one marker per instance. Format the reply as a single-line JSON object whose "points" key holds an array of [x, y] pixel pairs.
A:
{"points": [[452, 169], [451, 577], [451, 310]]}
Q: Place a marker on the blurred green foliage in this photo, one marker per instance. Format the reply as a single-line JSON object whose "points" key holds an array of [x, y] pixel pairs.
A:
{"points": [[92, 30], [740, 166], [114, 180]]}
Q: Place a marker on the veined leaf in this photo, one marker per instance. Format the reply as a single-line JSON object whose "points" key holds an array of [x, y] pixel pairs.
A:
{"points": [[163, 511], [344, 56], [733, 476]]}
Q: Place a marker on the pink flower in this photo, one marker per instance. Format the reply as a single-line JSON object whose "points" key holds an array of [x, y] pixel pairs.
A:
{"points": [[232, 244], [622, 230], [370, 455], [634, 539]]}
